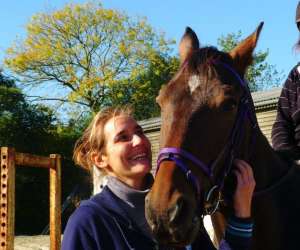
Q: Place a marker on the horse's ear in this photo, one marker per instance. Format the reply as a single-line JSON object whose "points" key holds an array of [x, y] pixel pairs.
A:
{"points": [[242, 53], [189, 42]]}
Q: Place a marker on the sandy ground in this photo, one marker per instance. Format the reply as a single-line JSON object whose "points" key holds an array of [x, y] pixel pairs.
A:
{"points": [[39, 242]]}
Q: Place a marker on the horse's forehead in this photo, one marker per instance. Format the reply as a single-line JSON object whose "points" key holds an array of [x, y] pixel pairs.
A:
{"points": [[189, 88], [173, 88], [196, 79], [193, 82]]}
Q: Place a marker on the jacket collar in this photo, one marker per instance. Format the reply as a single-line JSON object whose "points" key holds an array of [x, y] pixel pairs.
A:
{"points": [[108, 202]]}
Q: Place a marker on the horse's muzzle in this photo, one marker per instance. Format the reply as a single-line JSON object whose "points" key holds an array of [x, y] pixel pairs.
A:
{"points": [[175, 226]]}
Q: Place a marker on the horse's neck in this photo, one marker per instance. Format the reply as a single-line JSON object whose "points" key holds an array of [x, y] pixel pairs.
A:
{"points": [[267, 166]]}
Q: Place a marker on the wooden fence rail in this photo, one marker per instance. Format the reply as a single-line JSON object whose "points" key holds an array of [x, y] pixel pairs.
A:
{"points": [[9, 160]]}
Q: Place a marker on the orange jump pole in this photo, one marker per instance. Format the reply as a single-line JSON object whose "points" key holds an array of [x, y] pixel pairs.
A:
{"points": [[55, 203], [7, 198], [8, 161]]}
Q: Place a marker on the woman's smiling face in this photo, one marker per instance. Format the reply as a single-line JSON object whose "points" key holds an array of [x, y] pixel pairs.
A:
{"points": [[127, 153]]}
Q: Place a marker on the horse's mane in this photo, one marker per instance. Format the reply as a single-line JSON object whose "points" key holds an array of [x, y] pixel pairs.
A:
{"points": [[201, 60]]}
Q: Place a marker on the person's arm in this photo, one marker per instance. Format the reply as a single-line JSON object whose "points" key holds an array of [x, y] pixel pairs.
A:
{"points": [[283, 130], [238, 233]]}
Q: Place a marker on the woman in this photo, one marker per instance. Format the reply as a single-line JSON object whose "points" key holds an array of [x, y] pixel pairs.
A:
{"points": [[114, 218], [286, 129]]}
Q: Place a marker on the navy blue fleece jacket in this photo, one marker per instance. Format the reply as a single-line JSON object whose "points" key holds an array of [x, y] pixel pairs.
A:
{"points": [[101, 224]]}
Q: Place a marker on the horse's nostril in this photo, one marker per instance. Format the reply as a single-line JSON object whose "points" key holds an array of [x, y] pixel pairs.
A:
{"points": [[174, 211]]}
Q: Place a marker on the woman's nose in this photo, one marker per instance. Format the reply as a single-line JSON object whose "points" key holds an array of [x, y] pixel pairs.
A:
{"points": [[136, 140]]}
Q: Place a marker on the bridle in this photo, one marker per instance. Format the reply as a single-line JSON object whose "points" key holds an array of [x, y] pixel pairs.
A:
{"points": [[181, 156]]}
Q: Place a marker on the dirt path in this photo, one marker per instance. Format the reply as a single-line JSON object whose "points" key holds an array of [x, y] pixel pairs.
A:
{"points": [[39, 242]]}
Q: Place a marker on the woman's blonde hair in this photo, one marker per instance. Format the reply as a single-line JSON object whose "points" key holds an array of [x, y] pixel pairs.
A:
{"points": [[93, 138]]}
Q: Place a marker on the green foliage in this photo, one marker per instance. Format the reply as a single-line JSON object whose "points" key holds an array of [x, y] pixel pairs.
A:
{"points": [[260, 75], [21, 123], [96, 54]]}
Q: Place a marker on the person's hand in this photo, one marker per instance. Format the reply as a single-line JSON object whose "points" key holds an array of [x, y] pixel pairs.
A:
{"points": [[244, 190]]}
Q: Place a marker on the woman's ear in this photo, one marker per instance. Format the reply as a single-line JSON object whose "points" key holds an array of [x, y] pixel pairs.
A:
{"points": [[99, 160]]}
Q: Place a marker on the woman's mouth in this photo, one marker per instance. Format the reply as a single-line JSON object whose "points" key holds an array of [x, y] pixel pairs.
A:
{"points": [[140, 157]]}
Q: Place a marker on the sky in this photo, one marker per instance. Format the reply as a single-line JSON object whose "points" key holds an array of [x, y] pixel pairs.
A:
{"points": [[209, 19]]}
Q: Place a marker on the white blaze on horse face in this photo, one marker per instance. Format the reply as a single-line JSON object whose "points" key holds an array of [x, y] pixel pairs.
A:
{"points": [[194, 82]]}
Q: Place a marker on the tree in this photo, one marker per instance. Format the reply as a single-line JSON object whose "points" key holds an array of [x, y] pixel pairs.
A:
{"points": [[34, 129], [89, 51], [260, 75], [20, 122], [141, 92]]}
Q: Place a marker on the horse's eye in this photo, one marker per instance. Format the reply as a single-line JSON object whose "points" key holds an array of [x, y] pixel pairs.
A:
{"points": [[229, 105]]}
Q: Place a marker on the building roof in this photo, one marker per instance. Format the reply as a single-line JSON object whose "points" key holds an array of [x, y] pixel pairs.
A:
{"points": [[265, 99], [151, 124]]}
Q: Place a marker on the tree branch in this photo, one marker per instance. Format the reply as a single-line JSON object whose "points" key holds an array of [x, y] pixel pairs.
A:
{"points": [[41, 98]]}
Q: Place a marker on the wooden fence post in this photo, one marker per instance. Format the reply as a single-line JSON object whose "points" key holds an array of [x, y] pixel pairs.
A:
{"points": [[7, 198], [55, 203], [9, 159]]}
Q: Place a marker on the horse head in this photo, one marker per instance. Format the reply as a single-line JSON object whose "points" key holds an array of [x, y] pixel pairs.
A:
{"points": [[206, 116]]}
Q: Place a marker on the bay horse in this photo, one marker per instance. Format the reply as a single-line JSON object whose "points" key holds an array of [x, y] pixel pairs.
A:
{"points": [[208, 119]]}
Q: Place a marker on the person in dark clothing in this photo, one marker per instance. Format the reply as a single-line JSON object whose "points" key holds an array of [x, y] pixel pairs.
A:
{"points": [[286, 129], [114, 219]]}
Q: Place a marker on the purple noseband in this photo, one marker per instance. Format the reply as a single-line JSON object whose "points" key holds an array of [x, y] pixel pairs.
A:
{"points": [[178, 156]]}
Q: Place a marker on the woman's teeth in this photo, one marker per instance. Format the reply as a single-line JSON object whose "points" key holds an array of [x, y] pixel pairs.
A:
{"points": [[140, 157]]}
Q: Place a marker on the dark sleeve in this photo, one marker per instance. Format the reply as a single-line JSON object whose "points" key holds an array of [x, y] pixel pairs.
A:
{"points": [[77, 234], [283, 130], [238, 233], [238, 236]]}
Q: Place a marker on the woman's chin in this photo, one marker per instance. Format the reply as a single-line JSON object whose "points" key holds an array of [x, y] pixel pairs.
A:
{"points": [[143, 166], [142, 170]]}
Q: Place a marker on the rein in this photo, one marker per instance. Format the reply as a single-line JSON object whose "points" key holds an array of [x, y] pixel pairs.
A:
{"points": [[180, 156]]}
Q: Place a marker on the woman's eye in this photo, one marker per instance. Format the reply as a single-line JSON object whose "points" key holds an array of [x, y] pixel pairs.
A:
{"points": [[123, 137], [229, 105]]}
